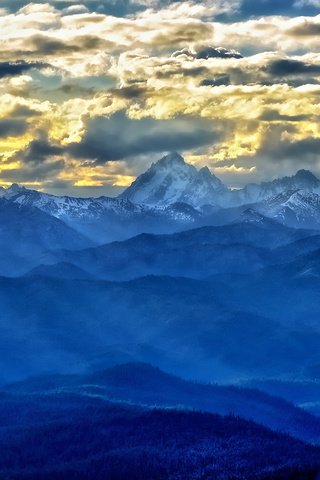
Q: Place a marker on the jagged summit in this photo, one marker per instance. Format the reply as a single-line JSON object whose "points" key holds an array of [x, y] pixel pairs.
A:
{"points": [[172, 180], [295, 208], [172, 159], [12, 190], [301, 180], [172, 190], [307, 177]]}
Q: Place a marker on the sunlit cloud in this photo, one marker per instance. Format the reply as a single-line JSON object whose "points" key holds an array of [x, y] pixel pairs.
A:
{"points": [[107, 91]]}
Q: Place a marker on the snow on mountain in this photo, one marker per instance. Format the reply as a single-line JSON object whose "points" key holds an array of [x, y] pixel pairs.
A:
{"points": [[172, 180], [295, 208], [173, 192], [105, 219], [252, 193], [66, 207]]}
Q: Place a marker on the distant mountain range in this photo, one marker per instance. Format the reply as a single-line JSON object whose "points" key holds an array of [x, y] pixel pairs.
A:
{"points": [[210, 303], [252, 243], [173, 195], [172, 180], [179, 272]]}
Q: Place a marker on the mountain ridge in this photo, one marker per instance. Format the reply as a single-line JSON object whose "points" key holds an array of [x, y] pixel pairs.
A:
{"points": [[141, 383], [173, 195]]}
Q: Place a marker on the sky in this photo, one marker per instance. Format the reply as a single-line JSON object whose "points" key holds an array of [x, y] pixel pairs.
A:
{"points": [[93, 92]]}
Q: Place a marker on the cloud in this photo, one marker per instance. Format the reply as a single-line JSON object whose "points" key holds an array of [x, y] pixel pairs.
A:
{"points": [[308, 28], [119, 137], [276, 116], [24, 111], [110, 92], [38, 161], [205, 52], [39, 150], [126, 8], [30, 173], [281, 153], [287, 67], [216, 52], [10, 69], [218, 81], [12, 127]]}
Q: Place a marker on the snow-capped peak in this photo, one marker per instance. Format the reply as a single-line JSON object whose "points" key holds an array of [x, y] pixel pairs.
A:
{"points": [[295, 208], [172, 180], [302, 180], [171, 160], [11, 191]]}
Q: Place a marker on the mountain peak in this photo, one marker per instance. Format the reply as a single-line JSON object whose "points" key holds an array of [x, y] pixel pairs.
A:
{"points": [[171, 180], [170, 160], [12, 191], [15, 187], [252, 216], [306, 175], [205, 171]]}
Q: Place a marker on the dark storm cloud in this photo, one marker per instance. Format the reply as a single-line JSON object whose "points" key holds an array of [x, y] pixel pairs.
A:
{"points": [[39, 150], [38, 162], [288, 67], [308, 148], [46, 45], [289, 155], [10, 69], [73, 90], [12, 127], [22, 111], [119, 137], [49, 46], [33, 172], [282, 153], [131, 92]]}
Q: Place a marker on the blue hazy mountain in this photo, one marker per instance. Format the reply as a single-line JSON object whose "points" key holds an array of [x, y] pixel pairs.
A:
{"points": [[27, 232], [142, 384], [233, 300], [218, 330], [304, 393], [242, 247]]}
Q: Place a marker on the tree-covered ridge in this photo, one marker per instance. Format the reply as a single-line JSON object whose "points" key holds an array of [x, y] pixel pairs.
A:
{"points": [[78, 437]]}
